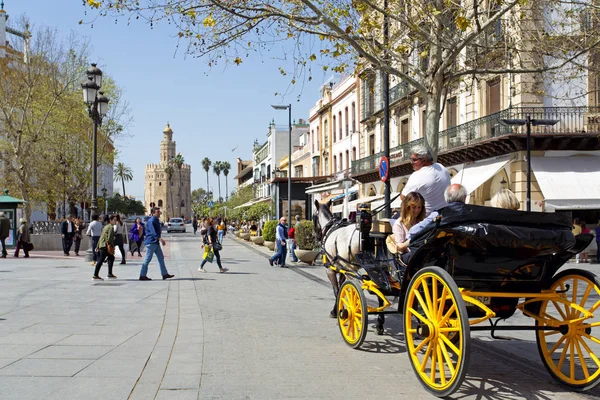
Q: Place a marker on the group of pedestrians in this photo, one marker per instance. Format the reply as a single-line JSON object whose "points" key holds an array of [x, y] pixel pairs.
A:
{"points": [[213, 233], [282, 237]]}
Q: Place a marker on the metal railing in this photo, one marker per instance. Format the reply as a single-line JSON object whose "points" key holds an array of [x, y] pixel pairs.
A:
{"points": [[572, 120]]}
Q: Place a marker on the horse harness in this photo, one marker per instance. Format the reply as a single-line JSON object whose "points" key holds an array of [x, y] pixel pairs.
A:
{"points": [[331, 226]]}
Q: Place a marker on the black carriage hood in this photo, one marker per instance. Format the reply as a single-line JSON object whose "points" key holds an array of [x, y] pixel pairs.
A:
{"points": [[488, 227]]}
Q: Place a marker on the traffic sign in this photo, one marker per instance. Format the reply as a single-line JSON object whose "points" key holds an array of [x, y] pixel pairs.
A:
{"points": [[210, 204], [384, 168], [152, 204]]}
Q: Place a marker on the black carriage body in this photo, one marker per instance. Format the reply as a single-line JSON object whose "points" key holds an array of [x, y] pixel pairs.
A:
{"points": [[492, 249]]}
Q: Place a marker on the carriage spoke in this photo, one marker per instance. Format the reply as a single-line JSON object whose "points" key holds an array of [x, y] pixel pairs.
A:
{"points": [[416, 314], [427, 296], [450, 345], [563, 355], [423, 306], [434, 297], [572, 359], [441, 363], [448, 313], [346, 302], [574, 313], [553, 349], [560, 310], [585, 296], [595, 306], [592, 338], [440, 309], [547, 316], [550, 333], [592, 325], [420, 346], [581, 359], [590, 352], [449, 362], [433, 368], [426, 358], [355, 325]]}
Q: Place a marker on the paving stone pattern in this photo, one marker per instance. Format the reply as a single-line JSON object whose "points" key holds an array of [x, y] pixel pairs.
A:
{"points": [[256, 332]]}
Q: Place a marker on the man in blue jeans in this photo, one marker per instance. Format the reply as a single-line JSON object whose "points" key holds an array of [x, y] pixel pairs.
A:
{"points": [[280, 237], [153, 242]]}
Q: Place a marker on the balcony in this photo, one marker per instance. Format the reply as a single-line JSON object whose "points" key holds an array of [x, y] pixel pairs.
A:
{"points": [[573, 121], [397, 92]]}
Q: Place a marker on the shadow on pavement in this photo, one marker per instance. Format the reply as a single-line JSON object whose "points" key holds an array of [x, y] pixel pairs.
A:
{"points": [[504, 387], [386, 345]]}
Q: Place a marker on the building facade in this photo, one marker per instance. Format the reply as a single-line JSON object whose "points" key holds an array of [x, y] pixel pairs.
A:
{"points": [[166, 185]]}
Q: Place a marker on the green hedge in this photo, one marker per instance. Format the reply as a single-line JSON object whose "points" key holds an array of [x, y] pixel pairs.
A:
{"points": [[305, 236], [269, 231]]}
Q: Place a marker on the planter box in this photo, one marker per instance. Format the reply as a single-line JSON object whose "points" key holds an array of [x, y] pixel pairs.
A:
{"points": [[258, 240], [269, 245], [245, 236], [307, 256]]}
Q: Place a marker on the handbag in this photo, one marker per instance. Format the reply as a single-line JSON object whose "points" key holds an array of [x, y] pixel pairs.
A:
{"points": [[217, 246], [110, 249], [29, 246], [208, 254]]}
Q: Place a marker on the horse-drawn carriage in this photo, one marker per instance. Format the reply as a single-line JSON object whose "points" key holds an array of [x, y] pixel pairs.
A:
{"points": [[475, 264]]}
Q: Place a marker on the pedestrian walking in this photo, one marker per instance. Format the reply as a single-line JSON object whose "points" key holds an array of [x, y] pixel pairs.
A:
{"points": [[297, 224], [23, 238], [281, 236], [120, 237], [221, 229], [585, 254], [214, 245], [152, 243], [94, 231], [136, 236], [292, 238], [195, 224], [79, 228], [4, 232], [67, 232], [106, 248], [203, 229]]}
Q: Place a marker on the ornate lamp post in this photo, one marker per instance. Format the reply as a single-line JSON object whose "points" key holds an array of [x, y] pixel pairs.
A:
{"points": [[98, 108], [104, 190]]}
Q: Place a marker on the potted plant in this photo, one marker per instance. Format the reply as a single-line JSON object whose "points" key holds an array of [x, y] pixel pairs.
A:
{"points": [[306, 242], [269, 234], [257, 240]]}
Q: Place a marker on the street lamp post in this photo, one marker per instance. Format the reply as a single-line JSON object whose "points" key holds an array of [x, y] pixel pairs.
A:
{"points": [[289, 194], [528, 121], [97, 108]]}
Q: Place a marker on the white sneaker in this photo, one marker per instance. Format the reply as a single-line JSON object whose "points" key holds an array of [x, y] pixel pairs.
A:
{"points": [[201, 269], [223, 270]]}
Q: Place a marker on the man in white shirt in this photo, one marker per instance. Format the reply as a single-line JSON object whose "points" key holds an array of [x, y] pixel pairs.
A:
{"points": [[430, 180]]}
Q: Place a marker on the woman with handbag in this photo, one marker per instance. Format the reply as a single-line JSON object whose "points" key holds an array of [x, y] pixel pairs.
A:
{"points": [[106, 248], [23, 238], [136, 237], [213, 245], [120, 232], [79, 228]]}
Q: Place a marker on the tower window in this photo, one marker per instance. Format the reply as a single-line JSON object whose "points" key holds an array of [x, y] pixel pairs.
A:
{"points": [[159, 183], [160, 203]]}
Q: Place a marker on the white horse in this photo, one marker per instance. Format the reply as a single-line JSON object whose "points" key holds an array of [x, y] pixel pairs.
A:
{"points": [[340, 244]]}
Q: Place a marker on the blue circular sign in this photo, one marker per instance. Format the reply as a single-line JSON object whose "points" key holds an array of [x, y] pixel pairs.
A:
{"points": [[384, 168], [210, 204]]}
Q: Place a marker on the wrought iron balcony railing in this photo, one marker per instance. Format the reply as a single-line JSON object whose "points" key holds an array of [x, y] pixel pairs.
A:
{"points": [[572, 120]]}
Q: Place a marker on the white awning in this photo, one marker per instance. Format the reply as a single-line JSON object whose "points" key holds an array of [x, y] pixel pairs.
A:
{"points": [[476, 174], [324, 187], [352, 204], [252, 202], [568, 183], [397, 203]]}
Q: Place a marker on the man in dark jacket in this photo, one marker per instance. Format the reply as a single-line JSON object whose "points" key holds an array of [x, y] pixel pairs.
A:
{"points": [[4, 232], [67, 231]]}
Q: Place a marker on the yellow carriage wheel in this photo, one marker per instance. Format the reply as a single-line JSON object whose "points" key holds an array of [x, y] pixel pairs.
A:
{"points": [[572, 353], [352, 313], [436, 328]]}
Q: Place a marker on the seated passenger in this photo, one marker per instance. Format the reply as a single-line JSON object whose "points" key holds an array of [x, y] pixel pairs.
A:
{"points": [[505, 198], [412, 212]]}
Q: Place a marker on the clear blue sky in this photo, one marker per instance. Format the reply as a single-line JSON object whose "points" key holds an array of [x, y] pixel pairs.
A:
{"points": [[211, 112]]}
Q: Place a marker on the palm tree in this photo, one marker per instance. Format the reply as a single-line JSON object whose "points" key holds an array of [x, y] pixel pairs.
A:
{"points": [[225, 167], [169, 171], [217, 168], [178, 162], [123, 173], [206, 165]]}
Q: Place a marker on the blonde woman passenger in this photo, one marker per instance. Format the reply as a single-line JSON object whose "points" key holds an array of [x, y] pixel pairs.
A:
{"points": [[411, 213], [505, 198]]}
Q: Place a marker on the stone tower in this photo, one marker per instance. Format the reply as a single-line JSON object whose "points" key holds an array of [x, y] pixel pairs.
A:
{"points": [[171, 193]]}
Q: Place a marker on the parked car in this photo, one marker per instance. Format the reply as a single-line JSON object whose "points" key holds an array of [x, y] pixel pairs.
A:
{"points": [[176, 225]]}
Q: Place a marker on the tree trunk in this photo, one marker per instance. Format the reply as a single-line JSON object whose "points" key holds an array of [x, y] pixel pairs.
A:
{"points": [[432, 117], [219, 180], [226, 189], [123, 182], [207, 184]]}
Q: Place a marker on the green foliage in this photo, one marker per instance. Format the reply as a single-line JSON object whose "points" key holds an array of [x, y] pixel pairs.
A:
{"points": [[268, 232], [124, 205], [257, 211], [305, 236]]}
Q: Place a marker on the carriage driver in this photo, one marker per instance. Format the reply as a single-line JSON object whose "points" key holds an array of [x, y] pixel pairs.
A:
{"points": [[429, 179], [454, 193]]}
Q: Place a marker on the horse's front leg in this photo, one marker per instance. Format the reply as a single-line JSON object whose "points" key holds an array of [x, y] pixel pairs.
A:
{"points": [[380, 319]]}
